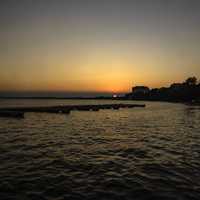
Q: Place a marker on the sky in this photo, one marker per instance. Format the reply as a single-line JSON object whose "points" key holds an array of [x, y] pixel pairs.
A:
{"points": [[101, 46]]}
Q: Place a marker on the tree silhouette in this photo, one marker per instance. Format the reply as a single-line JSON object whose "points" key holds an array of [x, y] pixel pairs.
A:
{"points": [[191, 81]]}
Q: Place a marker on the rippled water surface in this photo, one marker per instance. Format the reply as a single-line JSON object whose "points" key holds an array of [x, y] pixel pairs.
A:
{"points": [[140, 153]]}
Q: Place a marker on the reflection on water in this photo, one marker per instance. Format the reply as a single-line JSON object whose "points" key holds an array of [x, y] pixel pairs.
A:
{"points": [[140, 153]]}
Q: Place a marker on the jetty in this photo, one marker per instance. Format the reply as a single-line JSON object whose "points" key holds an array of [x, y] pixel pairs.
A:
{"points": [[61, 109], [13, 114]]}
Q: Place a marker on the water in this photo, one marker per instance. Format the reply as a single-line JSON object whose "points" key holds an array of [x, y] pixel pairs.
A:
{"points": [[139, 153]]}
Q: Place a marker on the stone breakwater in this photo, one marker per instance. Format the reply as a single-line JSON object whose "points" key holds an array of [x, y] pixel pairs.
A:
{"points": [[65, 109]]}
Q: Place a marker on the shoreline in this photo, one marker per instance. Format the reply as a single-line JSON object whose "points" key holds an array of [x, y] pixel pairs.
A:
{"points": [[188, 103]]}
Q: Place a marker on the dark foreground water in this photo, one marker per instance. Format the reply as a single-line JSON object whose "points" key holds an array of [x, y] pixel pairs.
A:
{"points": [[141, 153]]}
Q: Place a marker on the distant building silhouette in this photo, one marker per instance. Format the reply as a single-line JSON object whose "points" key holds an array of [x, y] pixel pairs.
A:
{"points": [[138, 92], [188, 91], [176, 86], [140, 89]]}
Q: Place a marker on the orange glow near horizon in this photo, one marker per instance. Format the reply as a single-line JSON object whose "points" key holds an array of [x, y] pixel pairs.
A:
{"points": [[98, 71]]}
